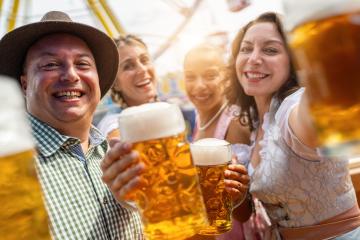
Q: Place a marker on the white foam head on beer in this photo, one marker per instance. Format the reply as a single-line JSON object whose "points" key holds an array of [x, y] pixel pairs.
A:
{"points": [[150, 121], [298, 12], [210, 151], [15, 132]]}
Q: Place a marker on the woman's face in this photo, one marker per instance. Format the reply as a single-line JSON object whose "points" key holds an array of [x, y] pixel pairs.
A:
{"points": [[136, 77], [262, 64], [203, 75]]}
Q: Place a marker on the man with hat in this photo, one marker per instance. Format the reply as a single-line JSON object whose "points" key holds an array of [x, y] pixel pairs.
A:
{"points": [[64, 69]]}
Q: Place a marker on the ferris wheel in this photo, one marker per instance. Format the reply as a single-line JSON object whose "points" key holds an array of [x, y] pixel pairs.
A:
{"points": [[109, 15]]}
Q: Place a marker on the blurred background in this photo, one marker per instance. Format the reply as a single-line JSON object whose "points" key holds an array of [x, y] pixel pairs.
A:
{"points": [[169, 27]]}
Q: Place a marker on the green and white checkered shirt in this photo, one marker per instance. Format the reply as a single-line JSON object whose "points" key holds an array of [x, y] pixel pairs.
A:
{"points": [[79, 204]]}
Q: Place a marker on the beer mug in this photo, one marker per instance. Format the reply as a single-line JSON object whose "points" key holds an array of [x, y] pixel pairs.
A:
{"points": [[171, 204], [23, 214], [324, 36], [211, 157]]}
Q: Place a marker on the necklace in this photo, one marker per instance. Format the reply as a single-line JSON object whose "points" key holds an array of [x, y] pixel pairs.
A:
{"points": [[206, 125]]}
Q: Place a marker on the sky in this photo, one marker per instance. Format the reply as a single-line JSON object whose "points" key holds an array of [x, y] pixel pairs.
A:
{"points": [[152, 20]]}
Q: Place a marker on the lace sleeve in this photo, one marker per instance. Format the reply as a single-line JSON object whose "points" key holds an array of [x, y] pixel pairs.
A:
{"points": [[242, 153], [282, 120]]}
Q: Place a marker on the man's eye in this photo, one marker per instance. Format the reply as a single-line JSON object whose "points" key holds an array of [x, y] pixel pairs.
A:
{"points": [[49, 66], [83, 64]]}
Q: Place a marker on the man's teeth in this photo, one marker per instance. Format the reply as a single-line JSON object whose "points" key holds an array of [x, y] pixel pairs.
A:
{"points": [[255, 75], [69, 94]]}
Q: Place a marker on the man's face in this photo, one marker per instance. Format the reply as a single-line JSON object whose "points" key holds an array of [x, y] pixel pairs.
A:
{"points": [[60, 80]]}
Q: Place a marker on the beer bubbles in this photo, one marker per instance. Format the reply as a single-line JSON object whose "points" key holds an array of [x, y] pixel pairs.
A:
{"points": [[211, 157], [171, 204], [324, 37]]}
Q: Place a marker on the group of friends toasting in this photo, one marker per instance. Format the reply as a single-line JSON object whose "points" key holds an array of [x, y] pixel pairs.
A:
{"points": [[254, 100], [272, 140]]}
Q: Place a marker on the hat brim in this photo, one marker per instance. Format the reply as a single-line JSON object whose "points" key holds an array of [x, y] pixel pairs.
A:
{"points": [[15, 44]]}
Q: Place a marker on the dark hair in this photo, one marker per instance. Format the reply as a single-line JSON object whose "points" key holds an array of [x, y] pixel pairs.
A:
{"points": [[235, 92], [121, 41]]}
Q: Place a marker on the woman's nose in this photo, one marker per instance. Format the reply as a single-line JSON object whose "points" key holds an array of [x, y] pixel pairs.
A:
{"points": [[255, 57]]}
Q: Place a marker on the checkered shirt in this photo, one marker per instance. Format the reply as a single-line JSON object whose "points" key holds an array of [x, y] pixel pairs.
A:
{"points": [[79, 204]]}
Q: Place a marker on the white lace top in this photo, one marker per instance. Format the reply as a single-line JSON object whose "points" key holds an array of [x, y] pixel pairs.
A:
{"points": [[296, 185]]}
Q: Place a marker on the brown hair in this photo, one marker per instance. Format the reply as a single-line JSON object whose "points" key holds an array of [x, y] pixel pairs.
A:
{"points": [[127, 40], [235, 92]]}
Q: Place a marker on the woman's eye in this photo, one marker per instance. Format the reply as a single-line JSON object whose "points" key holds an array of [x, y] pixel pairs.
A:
{"points": [[271, 51], [210, 76], [145, 60], [189, 78], [128, 66], [245, 49]]}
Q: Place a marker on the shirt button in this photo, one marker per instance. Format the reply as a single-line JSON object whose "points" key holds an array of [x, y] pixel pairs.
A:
{"points": [[105, 201]]}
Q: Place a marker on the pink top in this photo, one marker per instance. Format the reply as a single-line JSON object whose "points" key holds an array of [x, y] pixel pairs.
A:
{"points": [[223, 124], [224, 121]]}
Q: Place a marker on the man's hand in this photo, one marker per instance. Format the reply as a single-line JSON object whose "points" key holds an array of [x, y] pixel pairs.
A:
{"points": [[122, 169]]}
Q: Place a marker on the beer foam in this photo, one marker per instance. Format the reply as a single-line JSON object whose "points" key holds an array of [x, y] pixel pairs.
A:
{"points": [[15, 131], [150, 121], [300, 11], [210, 151]]}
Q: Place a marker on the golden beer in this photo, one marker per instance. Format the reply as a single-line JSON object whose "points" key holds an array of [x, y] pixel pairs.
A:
{"points": [[326, 51], [171, 203], [22, 212], [211, 157]]}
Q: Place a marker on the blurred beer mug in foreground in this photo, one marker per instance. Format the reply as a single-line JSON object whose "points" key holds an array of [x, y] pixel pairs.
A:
{"points": [[171, 204], [211, 157], [23, 214], [325, 41]]}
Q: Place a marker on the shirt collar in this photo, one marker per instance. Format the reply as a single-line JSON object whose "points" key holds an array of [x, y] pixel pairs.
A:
{"points": [[49, 140]]}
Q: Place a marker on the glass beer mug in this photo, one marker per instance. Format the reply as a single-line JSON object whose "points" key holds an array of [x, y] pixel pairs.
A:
{"points": [[23, 214], [171, 204], [211, 157], [324, 39]]}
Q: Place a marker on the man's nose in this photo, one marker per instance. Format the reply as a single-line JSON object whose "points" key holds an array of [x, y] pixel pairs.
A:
{"points": [[70, 74]]}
